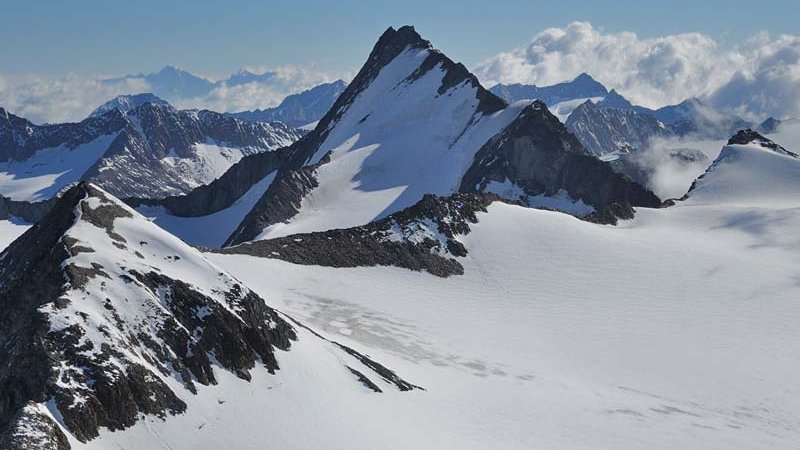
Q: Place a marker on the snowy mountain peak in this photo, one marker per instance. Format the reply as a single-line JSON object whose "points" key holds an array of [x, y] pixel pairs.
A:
{"points": [[748, 136], [126, 103], [752, 171], [129, 321]]}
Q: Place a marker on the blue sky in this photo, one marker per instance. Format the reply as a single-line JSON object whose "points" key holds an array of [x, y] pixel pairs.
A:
{"points": [[215, 38]]}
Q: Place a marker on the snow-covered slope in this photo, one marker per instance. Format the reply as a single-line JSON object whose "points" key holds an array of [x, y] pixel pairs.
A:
{"points": [[126, 103], [674, 330], [111, 323], [10, 229], [750, 171], [411, 123], [152, 150]]}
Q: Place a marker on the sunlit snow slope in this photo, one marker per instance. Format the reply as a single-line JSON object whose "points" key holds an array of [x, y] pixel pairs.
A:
{"points": [[407, 134], [677, 329]]}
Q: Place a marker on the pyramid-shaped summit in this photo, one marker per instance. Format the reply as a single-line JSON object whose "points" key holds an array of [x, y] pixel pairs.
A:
{"points": [[108, 318], [411, 123], [751, 170]]}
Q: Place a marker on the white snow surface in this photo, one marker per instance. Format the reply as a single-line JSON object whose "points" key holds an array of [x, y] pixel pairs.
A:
{"points": [[49, 170], [749, 175], [211, 230], [396, 142], [560, 201], [11, 229], [675, 330]]}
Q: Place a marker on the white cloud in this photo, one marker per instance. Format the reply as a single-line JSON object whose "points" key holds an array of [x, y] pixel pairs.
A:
{"points": [[59, 99], [73, 97], [769, 82], [758, 77], [288, 80]]}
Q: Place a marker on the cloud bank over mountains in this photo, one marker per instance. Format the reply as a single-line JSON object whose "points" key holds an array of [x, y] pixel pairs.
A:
{"points": [[759, 77], [73, 97]]}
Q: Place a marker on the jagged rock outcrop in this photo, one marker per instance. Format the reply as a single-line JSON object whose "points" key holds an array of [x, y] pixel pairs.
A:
{"points": [[27, 211], [33, 429], [422, 237], [222, 192], [538, 155]]}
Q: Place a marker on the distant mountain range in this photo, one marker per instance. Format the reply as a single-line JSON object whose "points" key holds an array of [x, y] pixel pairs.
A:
{"points": [[583, 86], [173, 83], [298, 109], [131, 146]]}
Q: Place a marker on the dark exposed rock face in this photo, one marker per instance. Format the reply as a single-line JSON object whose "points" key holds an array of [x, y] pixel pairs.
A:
{"points": [[27, 211], [538, 154], [279, 203], [422, 237], [32, 429], [298, 109], [748, 136]]}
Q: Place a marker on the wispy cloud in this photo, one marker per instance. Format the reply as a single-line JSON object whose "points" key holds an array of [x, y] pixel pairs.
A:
{"points": [[759, 77], [260, 95], [72, 97], [60, 99]]}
